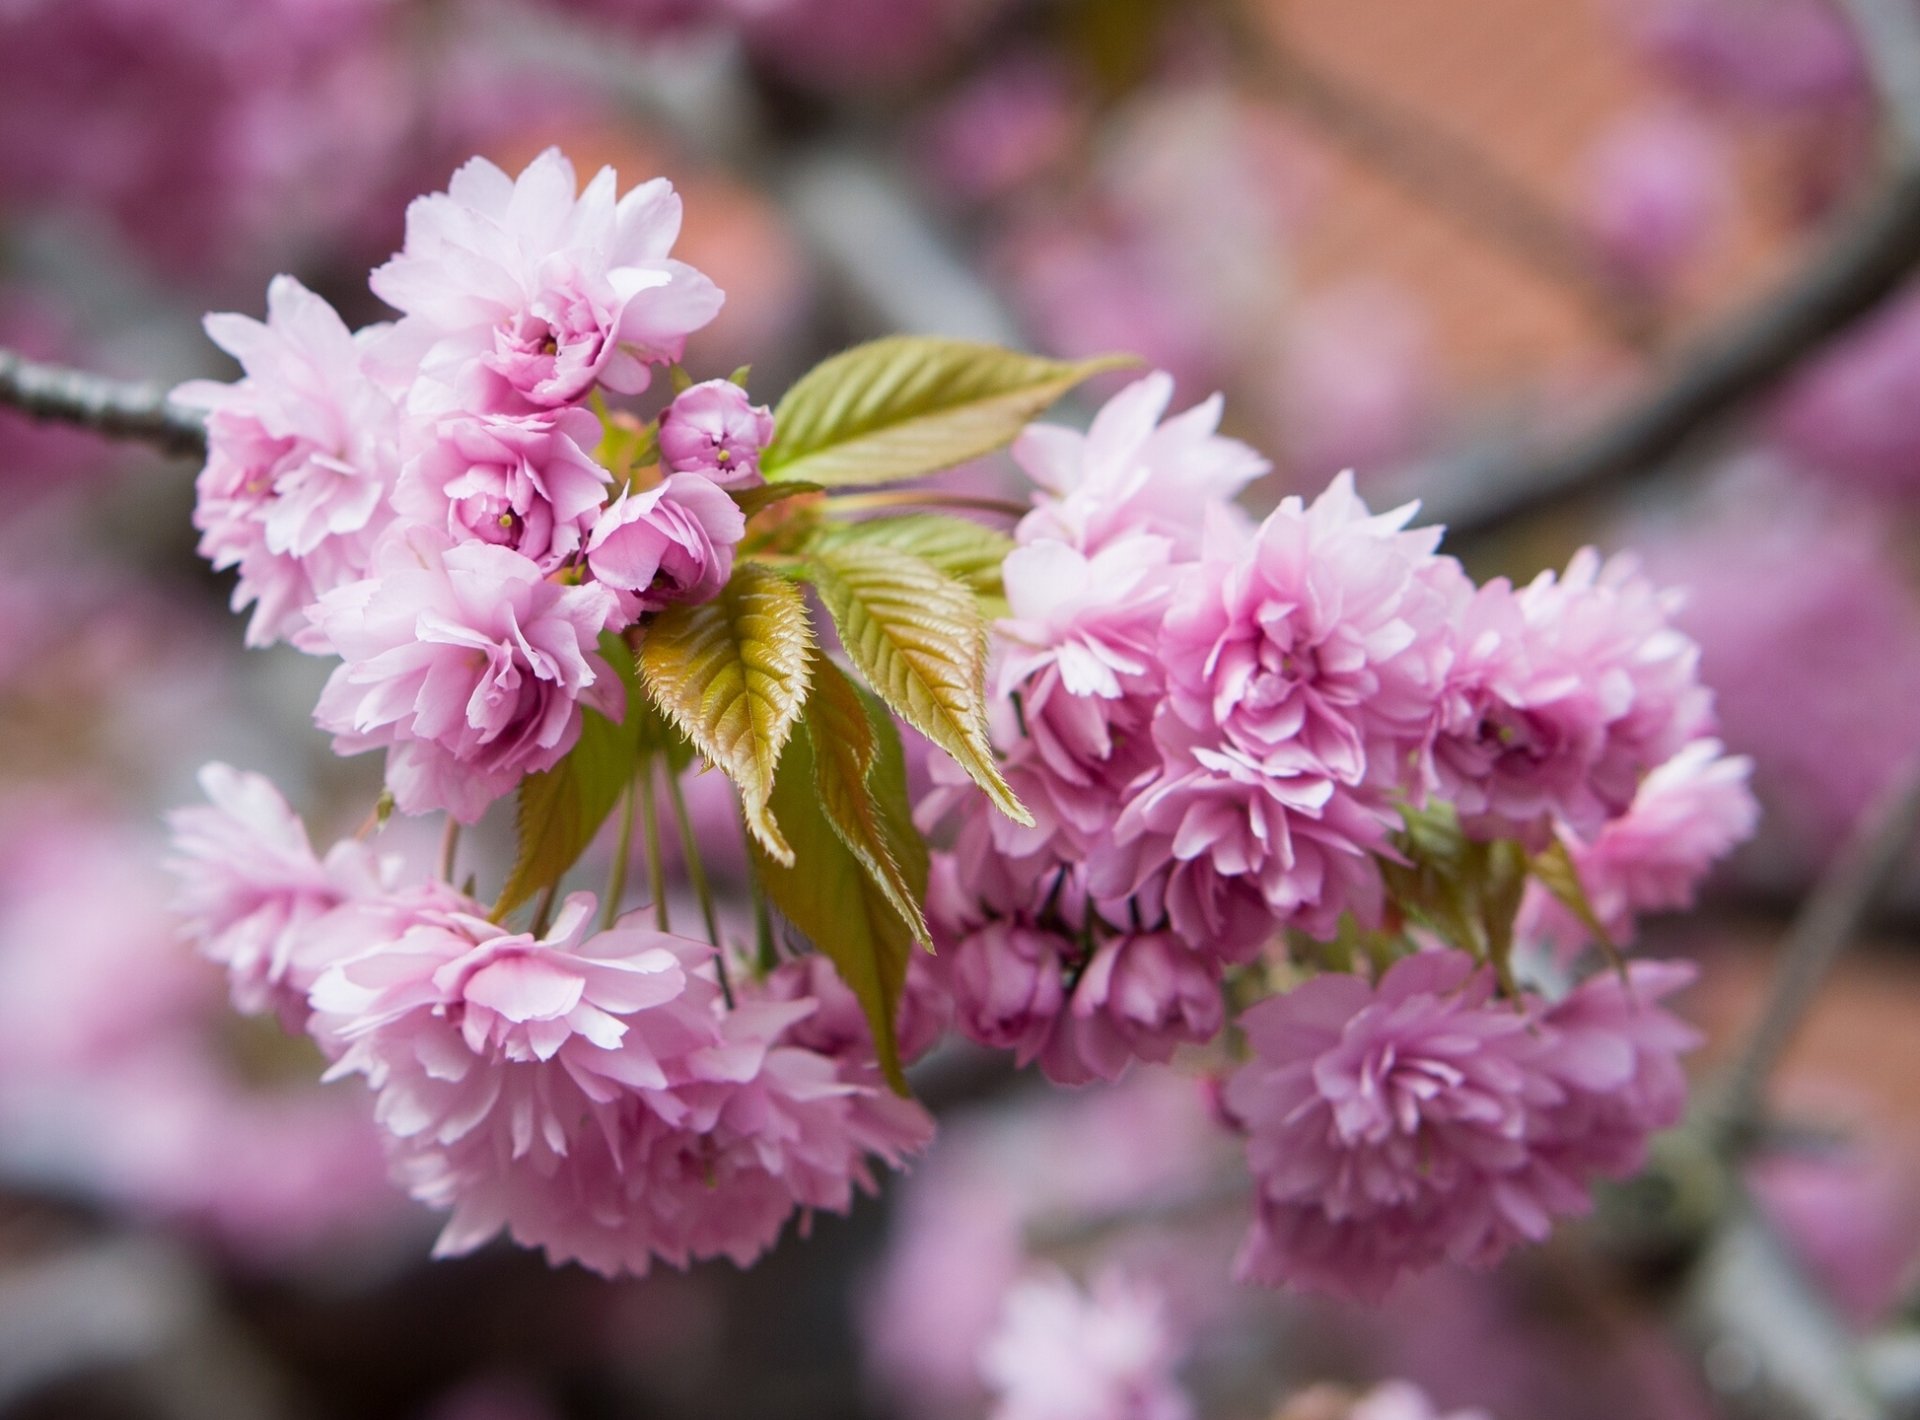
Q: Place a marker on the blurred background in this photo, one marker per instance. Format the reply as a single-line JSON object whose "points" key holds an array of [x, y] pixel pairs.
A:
{"points": [[1630, 272]]}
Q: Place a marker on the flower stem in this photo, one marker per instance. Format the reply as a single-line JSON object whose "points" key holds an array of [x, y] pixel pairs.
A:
{"points": [[622, 856], [696, 869], [656, 864], [765, 957], [702, 889]]}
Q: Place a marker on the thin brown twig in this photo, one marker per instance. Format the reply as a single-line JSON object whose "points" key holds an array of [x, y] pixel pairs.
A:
{"points": [[1841, 904], [1867, 259], [119, 409]]}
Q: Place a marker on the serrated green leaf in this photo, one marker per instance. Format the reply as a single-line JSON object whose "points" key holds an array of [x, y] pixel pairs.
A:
{"points": [[835, 903], [731, 675], [969, 552], [888, 780], [910, 405], [562, 809], [917, 636], [845, 751]]}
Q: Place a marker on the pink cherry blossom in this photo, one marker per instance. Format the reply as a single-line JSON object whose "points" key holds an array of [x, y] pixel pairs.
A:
{"points": [[1009, 985], [467, 667], [1080, 650], [1688, 814], [1388, 1127], [1396, 1125], [1063, 1354], [1131, 473], [1154, 992], [302, 455], [526, 292], [672, 543], [771, 1128], [1615, 1055], [1302, 677], [713, 429], [521, 481], [252, 891], [506, 1068]]}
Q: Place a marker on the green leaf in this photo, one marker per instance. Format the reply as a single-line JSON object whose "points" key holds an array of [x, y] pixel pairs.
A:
{"points": [[969, 552], [562, 809], [752, 500], [917, 636], [731, 675], [827, 894], [910, 405], [1554, 870], [846, 748]]}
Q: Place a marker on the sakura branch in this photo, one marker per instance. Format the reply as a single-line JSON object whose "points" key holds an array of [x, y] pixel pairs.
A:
{"points": [[119, 409], [1301, 774], [1840, 907]]}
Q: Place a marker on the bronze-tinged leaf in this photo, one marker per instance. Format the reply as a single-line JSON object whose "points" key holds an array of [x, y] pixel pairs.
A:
{"points": [[911, 405], [845, 751], [731, 675]]}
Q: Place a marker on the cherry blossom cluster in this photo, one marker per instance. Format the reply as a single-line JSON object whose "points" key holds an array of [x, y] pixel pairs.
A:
{"points": [[426, 499], [1231, 734], [586, 1091]]}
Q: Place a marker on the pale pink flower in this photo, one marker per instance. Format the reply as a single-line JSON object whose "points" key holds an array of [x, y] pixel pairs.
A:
{"points": [[465, 665], [1641, 671], [1131, 473], [302, 454], [1388, 1127], [1063, 1354], [1302, 677], [506, 1068], [252, 890], [525, 481], [1688, 814], [715, 430], [1080, 652], [672, 543], [536, 292], [1562, 695]]}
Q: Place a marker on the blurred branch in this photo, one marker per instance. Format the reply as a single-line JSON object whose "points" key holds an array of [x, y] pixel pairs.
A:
{"points": [[119, 409], [1769, 1346], [1867, 260], [1838, 908], [1447, 174]]}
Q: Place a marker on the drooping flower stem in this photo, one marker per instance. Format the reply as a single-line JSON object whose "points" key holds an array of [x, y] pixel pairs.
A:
{"points": [[765, 957], [656, 863], [449, 848], [696, 869], [622, 854]]}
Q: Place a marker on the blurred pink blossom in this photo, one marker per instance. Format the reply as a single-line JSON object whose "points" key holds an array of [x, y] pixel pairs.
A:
{"points": [[1063, 1354]]}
